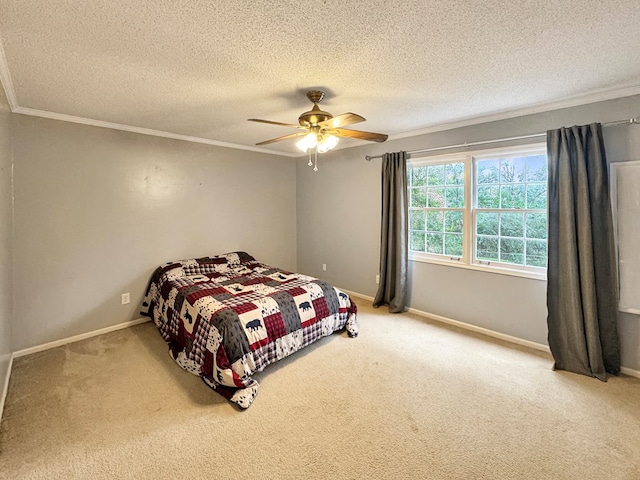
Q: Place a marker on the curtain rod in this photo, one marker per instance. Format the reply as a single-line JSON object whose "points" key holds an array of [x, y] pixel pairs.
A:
{"points": [[630, 121]]}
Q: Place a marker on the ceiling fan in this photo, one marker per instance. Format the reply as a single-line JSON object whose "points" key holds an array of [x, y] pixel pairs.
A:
{"points": [[319, 130]]}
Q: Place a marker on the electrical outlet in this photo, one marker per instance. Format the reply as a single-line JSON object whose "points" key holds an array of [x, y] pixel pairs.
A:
{"points": [[324, 267], [126, 298], [377, 278]]}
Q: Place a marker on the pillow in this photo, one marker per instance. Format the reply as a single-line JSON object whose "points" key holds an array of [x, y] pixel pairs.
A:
{"points": [[219, 263]]}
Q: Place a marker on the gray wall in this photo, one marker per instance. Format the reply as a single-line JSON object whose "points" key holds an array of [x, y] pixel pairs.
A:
{"points": [[5, 238], [96, 210], [338, 219]]}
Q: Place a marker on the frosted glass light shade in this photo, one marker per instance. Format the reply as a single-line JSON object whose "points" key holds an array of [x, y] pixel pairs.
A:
{"points": [[327, 143], [307, 142]]}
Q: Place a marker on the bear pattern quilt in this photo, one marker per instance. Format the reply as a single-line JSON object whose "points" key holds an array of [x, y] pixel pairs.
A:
{"points": [[229, 316]]}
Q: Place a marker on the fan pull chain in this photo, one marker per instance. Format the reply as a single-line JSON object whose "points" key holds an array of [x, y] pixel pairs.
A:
{"points": [[310, 162], [315, 168]]}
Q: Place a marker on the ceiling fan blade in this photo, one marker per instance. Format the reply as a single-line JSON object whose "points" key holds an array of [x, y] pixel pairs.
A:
{"points": [[275, 123], [342, 120], [372, 137], [285, 137]]}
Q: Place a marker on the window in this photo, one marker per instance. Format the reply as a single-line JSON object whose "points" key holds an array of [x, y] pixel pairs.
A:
{"points": [[483, 210]]}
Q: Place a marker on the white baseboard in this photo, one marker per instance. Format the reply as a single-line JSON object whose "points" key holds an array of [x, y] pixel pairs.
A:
{"points": [[76, 338], [466, 326], [5, 384], [630, 371], [485, 331], [356, 294], [507, 338]]}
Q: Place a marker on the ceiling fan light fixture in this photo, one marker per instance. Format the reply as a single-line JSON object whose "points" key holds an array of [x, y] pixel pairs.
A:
{"points": [[323, 129]]}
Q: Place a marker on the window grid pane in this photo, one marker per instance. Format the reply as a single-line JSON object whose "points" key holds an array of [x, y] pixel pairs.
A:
{"points": [[436, 231]]}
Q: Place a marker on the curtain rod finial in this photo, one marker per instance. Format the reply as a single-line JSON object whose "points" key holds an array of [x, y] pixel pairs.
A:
{"points": [[367, 158]]}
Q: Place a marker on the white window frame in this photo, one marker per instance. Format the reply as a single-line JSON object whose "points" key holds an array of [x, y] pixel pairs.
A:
{"points": [[443, 160], [467, 260]]}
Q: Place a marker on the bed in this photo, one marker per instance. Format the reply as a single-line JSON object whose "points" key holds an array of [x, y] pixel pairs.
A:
{"points": [[229, 316]]}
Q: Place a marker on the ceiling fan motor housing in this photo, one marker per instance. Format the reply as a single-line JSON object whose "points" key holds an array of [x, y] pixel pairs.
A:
{"points": [[314, 116]]}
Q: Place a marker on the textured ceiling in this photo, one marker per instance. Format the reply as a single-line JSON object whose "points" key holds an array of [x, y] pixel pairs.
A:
{"points": [[202, 68]]}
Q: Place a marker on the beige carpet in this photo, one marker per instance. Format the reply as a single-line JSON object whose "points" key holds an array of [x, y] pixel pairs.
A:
{"points": [[406, 399]]}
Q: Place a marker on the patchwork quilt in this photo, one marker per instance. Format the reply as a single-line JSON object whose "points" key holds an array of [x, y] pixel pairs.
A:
{"points": [[229, 316]]}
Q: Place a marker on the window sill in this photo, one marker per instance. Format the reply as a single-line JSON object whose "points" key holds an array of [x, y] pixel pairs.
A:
{"points": [[482, 268]]}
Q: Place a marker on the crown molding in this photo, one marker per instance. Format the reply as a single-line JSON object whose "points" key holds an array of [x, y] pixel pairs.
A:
{"points": [[575, 101], [5, 79], [144, 131]]}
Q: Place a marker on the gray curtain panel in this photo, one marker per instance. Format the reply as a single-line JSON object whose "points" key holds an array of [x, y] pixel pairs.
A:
{"points": [[392, 289], [582, 288]]}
